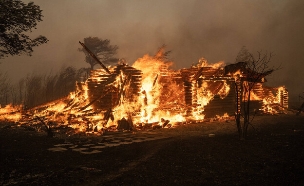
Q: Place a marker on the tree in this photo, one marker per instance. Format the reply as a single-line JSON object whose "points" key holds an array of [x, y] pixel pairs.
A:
{"points": [[34, 90], [38, 89], [101, 49], [17, 18], [4, 89], [253, 70]]}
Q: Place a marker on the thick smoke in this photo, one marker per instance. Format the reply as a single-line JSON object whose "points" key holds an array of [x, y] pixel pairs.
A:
{"points": [[215, 30]]}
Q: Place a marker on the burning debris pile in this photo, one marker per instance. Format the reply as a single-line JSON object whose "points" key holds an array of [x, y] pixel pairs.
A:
{"points": [[147, 94]]}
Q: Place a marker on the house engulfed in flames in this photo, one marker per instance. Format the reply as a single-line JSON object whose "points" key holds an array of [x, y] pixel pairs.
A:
{"points": [[150, 93]]}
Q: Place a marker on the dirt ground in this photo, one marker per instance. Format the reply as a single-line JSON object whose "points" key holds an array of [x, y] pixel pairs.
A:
{"points": [[206, 153]]}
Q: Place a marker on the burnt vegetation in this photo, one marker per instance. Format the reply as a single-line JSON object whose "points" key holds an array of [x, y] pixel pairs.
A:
{"points": [[37, 89]]}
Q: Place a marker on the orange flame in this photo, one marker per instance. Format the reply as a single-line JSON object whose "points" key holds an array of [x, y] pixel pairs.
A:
{"points": [[10, 113]]}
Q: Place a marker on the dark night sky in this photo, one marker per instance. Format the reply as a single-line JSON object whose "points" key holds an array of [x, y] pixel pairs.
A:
{"points": [[215, 30]]}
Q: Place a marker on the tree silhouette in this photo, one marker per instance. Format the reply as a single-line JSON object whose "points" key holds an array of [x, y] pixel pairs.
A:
{"points": [[17, 18], [101, 49], [252, 70]]}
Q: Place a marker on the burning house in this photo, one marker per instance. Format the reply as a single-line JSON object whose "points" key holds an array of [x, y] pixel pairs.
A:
{"points": [[150, 93]]}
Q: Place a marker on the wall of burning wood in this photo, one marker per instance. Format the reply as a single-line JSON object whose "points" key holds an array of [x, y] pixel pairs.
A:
{"points": [[105, 90], [180, 91]]}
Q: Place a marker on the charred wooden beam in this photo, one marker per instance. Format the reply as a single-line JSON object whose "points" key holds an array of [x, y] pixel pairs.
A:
{"points": [[155, 79], [198, 74]]}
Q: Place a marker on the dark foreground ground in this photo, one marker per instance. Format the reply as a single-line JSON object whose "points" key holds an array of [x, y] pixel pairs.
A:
{"points": [[273, 154]]}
